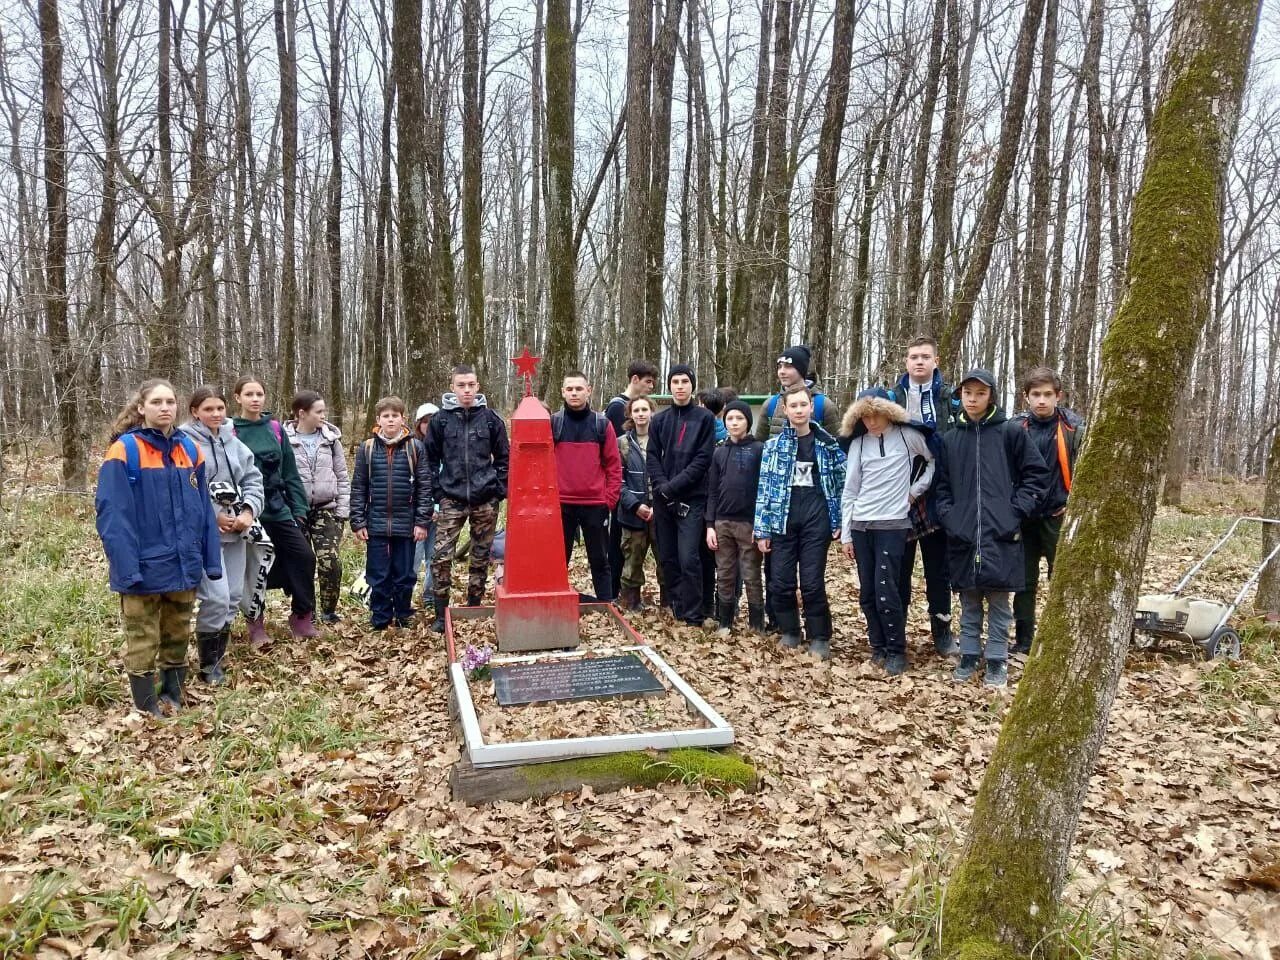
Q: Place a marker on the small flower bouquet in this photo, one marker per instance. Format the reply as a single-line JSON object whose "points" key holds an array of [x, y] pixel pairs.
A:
{"points": [[475, 662]]}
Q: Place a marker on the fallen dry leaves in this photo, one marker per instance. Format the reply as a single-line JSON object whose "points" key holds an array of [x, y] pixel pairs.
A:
{"points": [[865, 783]]}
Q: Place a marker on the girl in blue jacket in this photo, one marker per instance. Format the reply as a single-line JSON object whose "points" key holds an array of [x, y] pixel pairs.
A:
{"points": [[161, 537]]}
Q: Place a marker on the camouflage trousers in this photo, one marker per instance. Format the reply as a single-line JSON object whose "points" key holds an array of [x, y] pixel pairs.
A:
{"points": [[636, 545], [323, 530], [157, 627], [484, 525]]}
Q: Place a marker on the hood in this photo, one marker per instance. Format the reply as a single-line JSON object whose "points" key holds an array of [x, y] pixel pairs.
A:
{"points": [[994, 417], [226, 433], [263, 421], [328, 432], [154, 437], [449, 401], [875, 400], [404, 435], [904, 383]]}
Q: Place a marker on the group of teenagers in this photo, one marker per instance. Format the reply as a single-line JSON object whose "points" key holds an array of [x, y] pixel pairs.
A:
{"points": [[202, 518]]}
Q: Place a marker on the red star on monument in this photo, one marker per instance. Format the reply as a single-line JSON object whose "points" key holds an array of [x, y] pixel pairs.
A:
{"points": [[527, 367]]}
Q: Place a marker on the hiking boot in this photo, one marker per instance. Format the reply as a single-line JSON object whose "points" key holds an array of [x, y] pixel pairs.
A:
{"points": [[879, 658], [304, 626], [820, 649], [475, 599], [895, 665], [967, 667], [997, 675], [725, 609], [437, 624], [171, 687], [330, 616], [629, 598], [211, 647], [755, 617], [143, 689], [259, 640], [790, 640], [1025, 630], [943, 642]]}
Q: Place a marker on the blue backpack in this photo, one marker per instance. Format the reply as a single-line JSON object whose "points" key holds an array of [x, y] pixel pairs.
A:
{"points": [[133, 460]]}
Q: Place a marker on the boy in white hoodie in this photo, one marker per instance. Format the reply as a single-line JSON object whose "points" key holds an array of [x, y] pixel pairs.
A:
{"points": [[889, 466]]}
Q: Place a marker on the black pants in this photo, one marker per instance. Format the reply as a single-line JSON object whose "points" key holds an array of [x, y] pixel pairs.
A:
{"points": [[680, 542], [802, 548], [294, 570], [616, 559], [708, 578], [1039, 539], [937, 577], [594, 523], [879, 556]]}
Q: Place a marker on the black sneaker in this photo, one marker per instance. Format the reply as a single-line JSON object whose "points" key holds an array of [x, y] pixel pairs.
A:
{"points": [[967, 667], [330, 617], [997, 675], [895, 665], [878, 658]]}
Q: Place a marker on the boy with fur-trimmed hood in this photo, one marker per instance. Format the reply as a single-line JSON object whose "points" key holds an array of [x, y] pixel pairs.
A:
{"points": [[990, 479], [889, 467]]}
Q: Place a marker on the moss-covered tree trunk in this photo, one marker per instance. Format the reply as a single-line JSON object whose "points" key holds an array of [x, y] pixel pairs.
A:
{"points": [[562, 263], [1002, 899], [1268, 599]]}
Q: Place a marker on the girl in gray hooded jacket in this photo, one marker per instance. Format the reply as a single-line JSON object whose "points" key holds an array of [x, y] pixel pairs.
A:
{"points": [[236, 489], [322, 465]]}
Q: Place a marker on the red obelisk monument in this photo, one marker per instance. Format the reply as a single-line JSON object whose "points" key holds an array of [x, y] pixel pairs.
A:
{"points": [[537, 609]]}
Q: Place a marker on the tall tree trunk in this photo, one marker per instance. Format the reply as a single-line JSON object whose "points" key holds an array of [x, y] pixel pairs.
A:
{"points": [[632, 265], [379, 327], [824, 177], [286, 22], [337, 15], [417, 295], [472, 185], [1268, 597], [984, 234], [55, 262], [1003, 897], [562, 267], [168, 321], [944, 181], [102, 290], [533, 287], [1031, 346], [664, 58]]}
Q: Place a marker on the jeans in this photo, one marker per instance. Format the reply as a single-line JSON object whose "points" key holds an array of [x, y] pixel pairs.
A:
{"points": [[937, 576], [879, 555], [680, 544], [1039, 539], [423, 551], [999, 611], [388, 569], [593, 521]]}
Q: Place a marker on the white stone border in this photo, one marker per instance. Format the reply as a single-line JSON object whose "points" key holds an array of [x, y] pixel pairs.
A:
{"points": [[718, 734]]}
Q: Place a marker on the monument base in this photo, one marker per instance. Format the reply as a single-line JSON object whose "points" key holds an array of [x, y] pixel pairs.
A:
{"points": [[536, 621]]}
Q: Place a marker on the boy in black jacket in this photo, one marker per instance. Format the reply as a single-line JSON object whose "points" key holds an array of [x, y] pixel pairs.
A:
{"points": [[389, 514], [681, 439], [989, 478], [1057, 433], [731, 507]]}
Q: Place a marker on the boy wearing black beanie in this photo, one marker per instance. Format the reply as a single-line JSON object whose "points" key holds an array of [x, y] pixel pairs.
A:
{"points": [[681, 439], [731, 507]]}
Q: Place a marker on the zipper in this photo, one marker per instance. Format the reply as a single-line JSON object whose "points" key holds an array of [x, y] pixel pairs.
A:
{"points": [[977, 465], [391, 482], [466, 449]]}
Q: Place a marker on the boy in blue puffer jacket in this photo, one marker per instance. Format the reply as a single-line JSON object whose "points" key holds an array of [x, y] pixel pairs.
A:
{"points": [[990, 478], [161, 538], [390, 511]]}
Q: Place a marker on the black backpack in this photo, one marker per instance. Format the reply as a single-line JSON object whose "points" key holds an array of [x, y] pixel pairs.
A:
{"points": [[601, 424]]}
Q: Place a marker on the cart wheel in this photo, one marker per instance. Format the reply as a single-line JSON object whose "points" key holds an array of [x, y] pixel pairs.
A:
{"points": [[1223, 642]]}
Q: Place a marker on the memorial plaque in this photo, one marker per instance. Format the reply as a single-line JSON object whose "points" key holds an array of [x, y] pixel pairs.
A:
{"points": [[592, 678]]}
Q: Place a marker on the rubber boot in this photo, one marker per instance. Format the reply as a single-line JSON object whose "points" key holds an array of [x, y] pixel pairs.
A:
{"points": [[1024, 631], [943, 642], [442, 602], [303, 627], [210, 657], [259, 639], [755, 617], [475, 599], [725, 609], [818, 630], [171, 679], [143, 688]]}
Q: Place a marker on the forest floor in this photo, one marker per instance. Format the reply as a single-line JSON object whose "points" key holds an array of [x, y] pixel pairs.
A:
{"points": [[304, 810]]}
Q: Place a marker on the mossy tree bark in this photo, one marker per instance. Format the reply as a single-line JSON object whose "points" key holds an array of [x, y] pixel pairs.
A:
{"points": [[562, 265], [1002, 899], [1268, 599]]}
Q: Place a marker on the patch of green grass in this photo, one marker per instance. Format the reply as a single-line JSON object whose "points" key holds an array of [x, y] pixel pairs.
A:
{"points": [[53, 907], [1255, 678]]}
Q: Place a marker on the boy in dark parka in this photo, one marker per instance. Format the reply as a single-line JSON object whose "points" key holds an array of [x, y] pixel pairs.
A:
{"points": [[390, 511], [989, 479]]}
